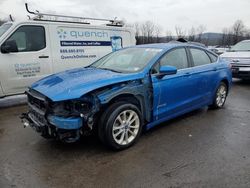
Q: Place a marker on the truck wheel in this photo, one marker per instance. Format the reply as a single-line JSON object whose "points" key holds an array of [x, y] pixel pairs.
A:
{"points": [[120, 126], [220, 96]]}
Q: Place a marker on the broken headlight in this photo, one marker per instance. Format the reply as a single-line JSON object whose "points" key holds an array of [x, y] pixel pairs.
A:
{"points": [[71, 108], [78, 106]]}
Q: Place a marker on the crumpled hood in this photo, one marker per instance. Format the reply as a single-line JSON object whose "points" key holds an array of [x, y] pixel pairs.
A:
{"points": [[72, 84]]}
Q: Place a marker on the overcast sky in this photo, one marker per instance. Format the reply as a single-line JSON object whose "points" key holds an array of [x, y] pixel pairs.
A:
{"points": [[213, 14]]}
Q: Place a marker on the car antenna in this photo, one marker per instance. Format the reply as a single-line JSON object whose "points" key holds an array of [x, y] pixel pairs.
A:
{"points": [[11, 18]]}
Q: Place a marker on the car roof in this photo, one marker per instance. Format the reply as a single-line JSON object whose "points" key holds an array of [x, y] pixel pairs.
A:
{"points": [[245, 41], [169, 45]]}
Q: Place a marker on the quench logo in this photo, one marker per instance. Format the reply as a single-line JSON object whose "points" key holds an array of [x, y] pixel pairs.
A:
{"points": [[61, 34]]}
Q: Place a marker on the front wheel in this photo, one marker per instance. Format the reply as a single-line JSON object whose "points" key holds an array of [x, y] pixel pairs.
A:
{"points": [[121, 125], [220, 96]]}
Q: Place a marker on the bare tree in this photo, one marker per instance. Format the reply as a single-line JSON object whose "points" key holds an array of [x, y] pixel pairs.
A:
{"points": [[192, 34], [226, 37], [247, 34], [150, 28], [149, 32], [137, 32], [169, 36], [200, 30], [157, 33], [143, 33], [180, 32], [238, 31]]}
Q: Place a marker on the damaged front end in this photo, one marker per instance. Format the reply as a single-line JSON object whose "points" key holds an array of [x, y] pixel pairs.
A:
{"points": [[64, 120]]}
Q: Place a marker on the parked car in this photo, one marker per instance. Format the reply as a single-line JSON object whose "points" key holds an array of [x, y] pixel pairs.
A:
{"points": [[33, 49], [239, 57], [219, 49], [126, 91]]}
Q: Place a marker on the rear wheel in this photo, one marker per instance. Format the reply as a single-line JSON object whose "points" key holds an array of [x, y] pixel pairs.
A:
{"points": [[120, 126], [220, 96]]}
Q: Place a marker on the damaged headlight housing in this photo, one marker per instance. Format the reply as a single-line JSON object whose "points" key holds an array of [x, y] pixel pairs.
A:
{"points": [[71, 107], [78, 106]]}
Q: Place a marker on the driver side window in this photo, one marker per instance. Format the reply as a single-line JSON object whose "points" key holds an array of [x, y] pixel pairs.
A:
{"points": [[28, 38], [176, 58]]}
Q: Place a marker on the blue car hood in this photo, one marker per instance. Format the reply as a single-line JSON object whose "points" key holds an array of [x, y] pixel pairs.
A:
{"points": [[72, 84]]}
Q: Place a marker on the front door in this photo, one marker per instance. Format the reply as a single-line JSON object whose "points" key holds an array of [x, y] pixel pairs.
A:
{"points": [[29, 60], [173, 94]]}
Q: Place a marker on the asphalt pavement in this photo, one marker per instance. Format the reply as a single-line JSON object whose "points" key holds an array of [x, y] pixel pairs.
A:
{"points": [[205, 148]]}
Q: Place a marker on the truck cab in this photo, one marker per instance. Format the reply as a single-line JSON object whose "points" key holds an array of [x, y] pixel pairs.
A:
{"points": [[33, 49], [25, 56]]}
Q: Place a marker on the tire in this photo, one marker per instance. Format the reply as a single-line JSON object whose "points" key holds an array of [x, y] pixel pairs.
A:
{"points": [[220, 96], [120, 125]]}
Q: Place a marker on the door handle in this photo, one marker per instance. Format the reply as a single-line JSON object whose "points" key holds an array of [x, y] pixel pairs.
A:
{"points": [[43, 56], [215, 69], [187, 74]]}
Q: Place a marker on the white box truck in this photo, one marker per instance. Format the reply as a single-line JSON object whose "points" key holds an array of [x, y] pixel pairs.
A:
{"points": [[33, 49]]}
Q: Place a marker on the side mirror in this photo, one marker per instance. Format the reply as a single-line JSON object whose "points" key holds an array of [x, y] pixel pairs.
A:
{"points": [[9, 46], [167, 70]]}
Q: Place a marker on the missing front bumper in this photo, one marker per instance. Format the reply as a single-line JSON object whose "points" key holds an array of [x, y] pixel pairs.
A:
{"points": [[64, 129], [28, 121]]}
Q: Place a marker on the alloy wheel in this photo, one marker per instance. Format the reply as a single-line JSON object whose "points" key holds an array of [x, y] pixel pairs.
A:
{"points": [[221, 95], [126, 127]]}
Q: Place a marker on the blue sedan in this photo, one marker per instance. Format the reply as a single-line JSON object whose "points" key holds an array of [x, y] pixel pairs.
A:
{"points": [[127, 91]]}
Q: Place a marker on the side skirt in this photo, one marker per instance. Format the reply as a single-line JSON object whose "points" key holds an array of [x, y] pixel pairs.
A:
{"points": [[154, 123]]}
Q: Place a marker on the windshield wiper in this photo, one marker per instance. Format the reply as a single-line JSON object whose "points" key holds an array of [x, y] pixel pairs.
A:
{"points": [[109, 69], [89, 66]]}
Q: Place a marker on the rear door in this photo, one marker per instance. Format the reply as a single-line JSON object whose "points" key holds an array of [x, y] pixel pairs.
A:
{"points": [[204, 71], [30, 62], [173, 94]]}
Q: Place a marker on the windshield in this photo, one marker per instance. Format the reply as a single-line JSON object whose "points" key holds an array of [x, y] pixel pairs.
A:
{"points": [[241, 46], [127, 60], [4, 28]]}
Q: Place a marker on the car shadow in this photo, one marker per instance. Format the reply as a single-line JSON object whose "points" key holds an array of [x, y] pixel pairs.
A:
{"points": [[91, 144], [241, 82], [86, 143]]}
